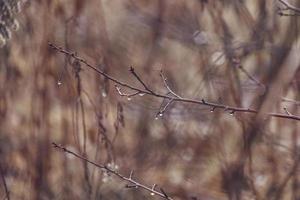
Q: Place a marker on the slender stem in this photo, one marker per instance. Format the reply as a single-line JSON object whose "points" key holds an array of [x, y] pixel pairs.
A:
{"points": [[135, 184], [177, 98]]}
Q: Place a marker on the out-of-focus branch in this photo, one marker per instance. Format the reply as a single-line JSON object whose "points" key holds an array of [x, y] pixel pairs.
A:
{"points": [[297, 103], [133, 183], [251, 77], [173, 97], [4, 184], [288, 7]]}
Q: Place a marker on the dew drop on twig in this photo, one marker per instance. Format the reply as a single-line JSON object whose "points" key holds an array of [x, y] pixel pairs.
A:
{"points": [[59, 83], [160, 114], [152, 194], [141, 94]]}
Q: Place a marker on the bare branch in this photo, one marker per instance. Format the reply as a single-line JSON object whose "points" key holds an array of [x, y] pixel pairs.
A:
{"points": [[239, 66], [4, 184], [288, 7], [133, 183], [140, 80], [297, 103], [233, 109], [163, 109], [167, 86], [286, 110], [125, 94]]}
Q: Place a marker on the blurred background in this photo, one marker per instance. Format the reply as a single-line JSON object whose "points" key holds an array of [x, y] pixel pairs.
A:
{"points": [[233, 52]]}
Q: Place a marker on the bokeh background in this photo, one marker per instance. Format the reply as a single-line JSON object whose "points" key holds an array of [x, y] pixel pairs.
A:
{"points": [[238, 53]]}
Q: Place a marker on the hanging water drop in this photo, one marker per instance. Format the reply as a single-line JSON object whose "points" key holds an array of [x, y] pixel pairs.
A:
{"points": [[160, 114], [152, 194], [156, 118], [59, 83], [141, 94], [104, 94], [128, 98]]}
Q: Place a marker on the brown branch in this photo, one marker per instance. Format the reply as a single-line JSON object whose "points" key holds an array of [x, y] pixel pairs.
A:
{"points": [[297, 103], [4, 184], [122, 94], [213, 106], [140, 80], [251, 77], [288, 7], [133, 183], [162, 108], [73, 55], [167, 85]]}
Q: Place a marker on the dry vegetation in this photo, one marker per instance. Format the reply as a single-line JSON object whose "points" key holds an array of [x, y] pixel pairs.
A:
{"points": [[209, 111]]}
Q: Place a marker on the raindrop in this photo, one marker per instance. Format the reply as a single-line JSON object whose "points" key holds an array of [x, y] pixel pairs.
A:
{"points": [[152, 194], [104, 94], [141, 94], [160, 114], [59, 83], [156, 118], [128, 98]]}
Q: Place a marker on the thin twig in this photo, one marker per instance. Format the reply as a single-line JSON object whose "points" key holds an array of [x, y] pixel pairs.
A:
{"points": [[289, 6], [289, 9], [140, 80], [262, 85], [4, 184], [233, 109], [297, 103], [167, 86], [134, 183], [125, 94], [163, 109], [286, 110], [251, 77]]}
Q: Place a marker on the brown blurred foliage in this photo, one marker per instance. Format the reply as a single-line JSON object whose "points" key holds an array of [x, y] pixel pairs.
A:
{"points": [[234, 52]]}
